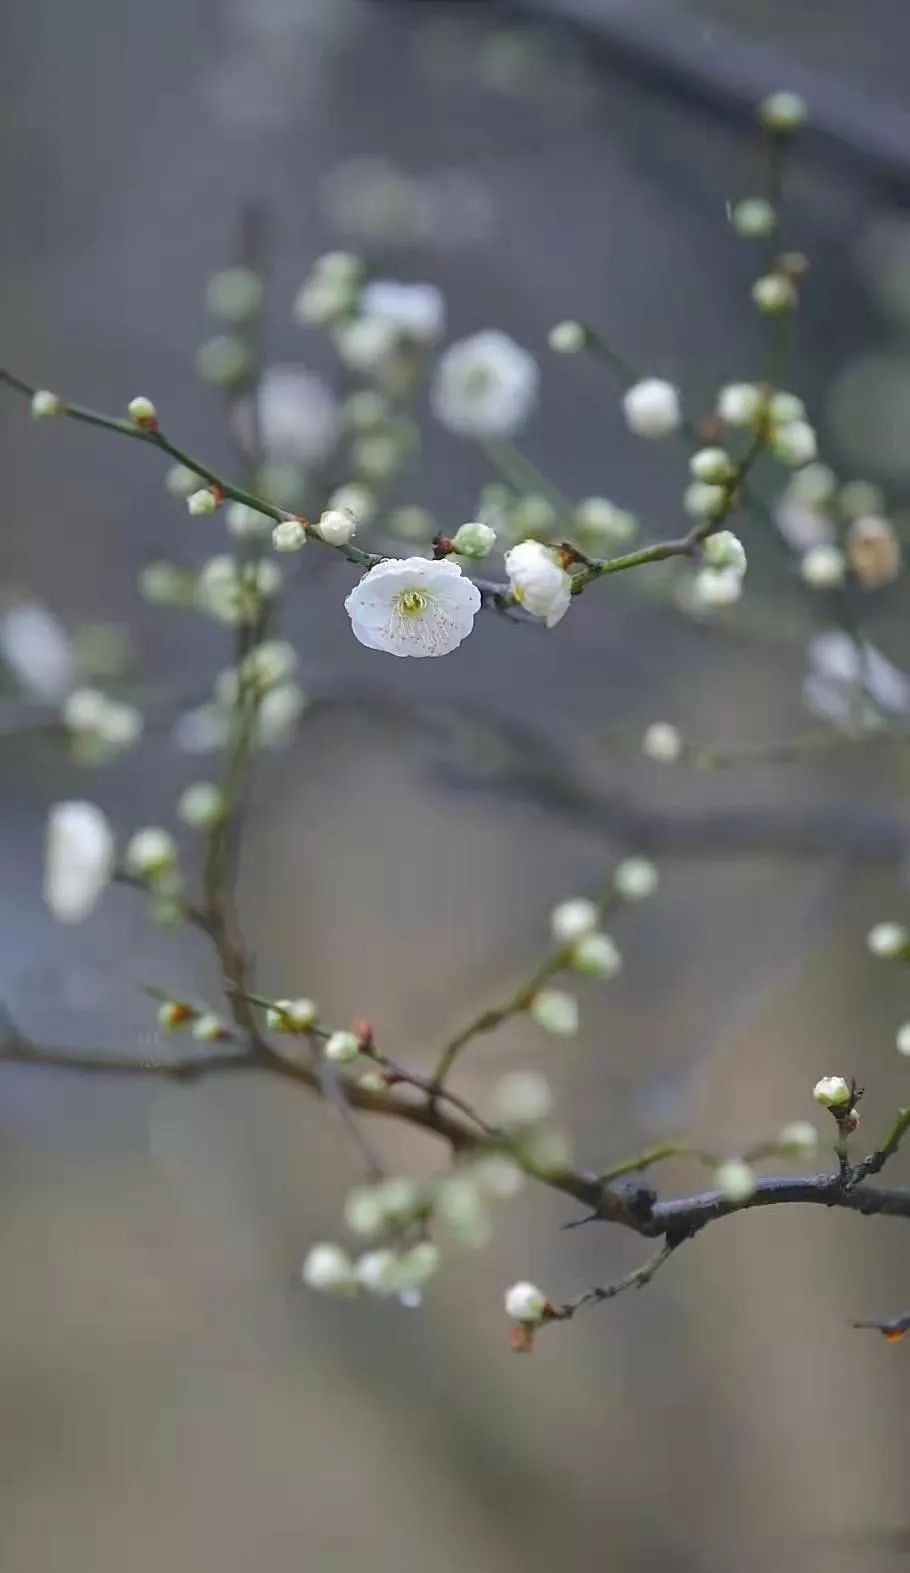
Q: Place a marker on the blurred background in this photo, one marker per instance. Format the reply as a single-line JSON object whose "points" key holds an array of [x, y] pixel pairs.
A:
{"points": [[169, 1396]]}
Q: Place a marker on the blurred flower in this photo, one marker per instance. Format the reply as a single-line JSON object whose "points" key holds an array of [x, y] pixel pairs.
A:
{"points": [[596, 956], [150, 853], [652, 408], [735, 1180], [416, 311], [37, 648], [571, 919], [888, 941], [484, 386], [635, 879], [839, 670], [299, 418], [873, 551], [524, 1302], [555, 1011], [329, 1269], [662, 741], [79, 859], [521, 1098], [413, 606], [740, 403], [823, 567]]}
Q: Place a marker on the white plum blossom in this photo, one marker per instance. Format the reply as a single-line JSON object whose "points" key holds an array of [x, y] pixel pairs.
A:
{"points": [[832, 1092], [37, 648], [794, 444], [289, 536], [337, 526], [714, 587], [652, 408], [574, 918], [555, 1011], [887, 940], [662, 741], [413, 606], [522, 1098], [567, 338], [526, 1303], [342, 1048], [538, 581], [597, 956], [723, 549], [823, 567], [740, 403], [150, 852], [735, 1180], [366, 343], [485, 386], [328, 1268], [79, 859], [299, 418], [797, 1140], [635, 879], [474, 539], [416, 311], [783, 112], [774, 293]]}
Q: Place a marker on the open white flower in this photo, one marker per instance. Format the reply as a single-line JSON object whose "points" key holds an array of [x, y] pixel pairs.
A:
{"points": [[299, 419], [485, 386], [79, 859], [413, 606], [417, 311], [538, 582]]}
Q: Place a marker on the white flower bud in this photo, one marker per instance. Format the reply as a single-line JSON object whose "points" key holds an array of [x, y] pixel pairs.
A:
{"points": [[702, 501], [329, 1269], [83, 709], [354, 499], [740, 404], [202, 502], [162, 584], [366, 342], [223, 360], [794, 444], [725, 550], [823, 567], [663, 742], [378, 1271], [342, 1048], [289, 536], [571, 919], [337, 526], [888, 941], [635, 879], [142, 412], [363, 1210], [201, 805], [474, 540], [596, 956], [735, 1180], [524, 1302], [754, 218], [712, 464], [267, 665], [602, 526], [785, 407], [291, 1016], [499, 1177], [521, 1098], [783, 112], [322, 301], [209, 1028], [461, 1206], [181, 481], [538, 582], [797, 1140], [567, 338], [832, 1092], [45, 404], [902, 1039], [773, 293], [555, 1011], [79, 859], [546, 1151], [245, 524], [366, 410], [714, 587], [150, 853], [652, 408], [279, 711]]}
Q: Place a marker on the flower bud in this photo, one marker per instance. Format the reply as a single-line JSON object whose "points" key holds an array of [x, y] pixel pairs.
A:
{"points": [[662, 742], [202, 502], [474, 540], [888, 941], [735, 1180], [857, 499], [142, 413], [180, 480], [652, 408], [173, 1014], [337, 526], [793, 444], [291, 1016], [783, 112], [163, 584], [329, 1269], [602, 526], [740, 404], [209, 1028], [567, 338], [245, 524], [201, 805], [526, 1303], [702, 501], [714, 587], [461, 1206], [418, 1265], [571, 919], [150, 853], [784, 407], [773, 293], [555, 1011], [521, 1098], [902, 1039], [79, 859], [236, 294], [635, 879], [45, 404], [342, 1048], [354, 499], [725, 550], [596, 956], [712, 464], [823, 567], [377, 1271], [363, 1211], [754, 218], [499, 1177], [797, 1140], [223, 361], [833, 1092], [289, 536]]}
